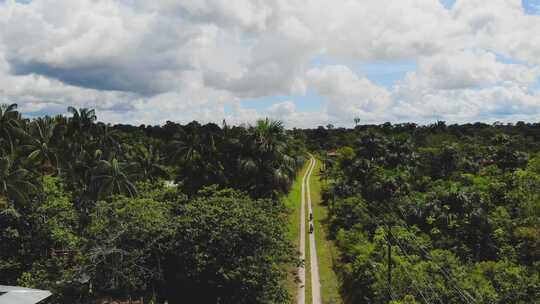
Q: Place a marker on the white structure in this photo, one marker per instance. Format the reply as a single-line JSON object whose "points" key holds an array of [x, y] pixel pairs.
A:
{"points": [[170, 184], [20, 295]]}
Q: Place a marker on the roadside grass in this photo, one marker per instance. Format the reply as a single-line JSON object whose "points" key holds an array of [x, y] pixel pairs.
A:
{"points": [[326, 248], [292, 201], [307, 265]]}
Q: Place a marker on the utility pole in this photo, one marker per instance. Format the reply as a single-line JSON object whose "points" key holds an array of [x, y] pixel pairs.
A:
{"points": [[389, 242]]}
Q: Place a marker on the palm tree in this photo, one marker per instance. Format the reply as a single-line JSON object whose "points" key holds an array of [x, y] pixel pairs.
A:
{"points": [[284, 171], [15, 183], [146, 165], [196, 153], [9, 124], [267, 163], [106, 139], [82, 119], [189, 147], [268, 135], [40, 146], [109, 178], [194, 143]]}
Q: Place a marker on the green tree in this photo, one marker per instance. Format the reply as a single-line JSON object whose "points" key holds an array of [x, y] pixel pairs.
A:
{"points": [[228, 249], [147, 164], [40, 147], [109, 178], [82, 120], [129, 241], [267, 162], [9, 126], [15, 182]]}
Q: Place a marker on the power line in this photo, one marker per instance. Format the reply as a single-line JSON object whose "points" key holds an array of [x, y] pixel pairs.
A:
{"points": [[463, 293], [434, 292], [406, 270], [418, 290]]}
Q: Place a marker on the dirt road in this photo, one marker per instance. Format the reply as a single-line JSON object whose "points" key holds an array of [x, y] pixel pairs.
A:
{"points": [[315, 282]]}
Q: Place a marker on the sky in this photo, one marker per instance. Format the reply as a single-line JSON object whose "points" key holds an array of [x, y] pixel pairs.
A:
{"points": [[305, 62]]}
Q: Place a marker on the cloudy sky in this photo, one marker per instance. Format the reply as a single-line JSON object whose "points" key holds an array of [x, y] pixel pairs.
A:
{"points": [[306, 62]]}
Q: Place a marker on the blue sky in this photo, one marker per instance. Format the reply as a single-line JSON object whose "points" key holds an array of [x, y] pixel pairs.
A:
{"points": [[532, 6], [448, 3], [306, 63]]}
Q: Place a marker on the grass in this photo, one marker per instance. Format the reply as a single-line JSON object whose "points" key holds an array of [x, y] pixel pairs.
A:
{"points": [[292, 201], [326, 248]]}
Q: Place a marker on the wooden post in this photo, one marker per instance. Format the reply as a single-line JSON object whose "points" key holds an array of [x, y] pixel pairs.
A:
{"points": [[389, 236]]}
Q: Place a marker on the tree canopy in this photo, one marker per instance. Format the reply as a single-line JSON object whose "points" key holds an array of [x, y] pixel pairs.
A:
{"points": [[458, 205], [172, 212]]}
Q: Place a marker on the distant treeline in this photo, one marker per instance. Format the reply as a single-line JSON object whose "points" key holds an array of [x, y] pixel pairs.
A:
{"points": [[329, 137]]}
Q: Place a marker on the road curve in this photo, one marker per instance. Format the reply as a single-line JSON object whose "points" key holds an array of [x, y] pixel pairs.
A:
{"points": [[315, 282]]}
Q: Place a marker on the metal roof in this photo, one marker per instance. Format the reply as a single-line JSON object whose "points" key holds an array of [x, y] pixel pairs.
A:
{"points": [[21, 295]]}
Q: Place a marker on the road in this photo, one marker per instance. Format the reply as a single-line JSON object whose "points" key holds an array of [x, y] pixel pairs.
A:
{"points": [[315, 282]]}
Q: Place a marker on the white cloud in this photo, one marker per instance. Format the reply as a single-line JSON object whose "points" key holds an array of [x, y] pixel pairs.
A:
{"points": [[468, 69], [468, 105], [104, 45], [244, 13], [288, 113], [461, 87], [500, 25], [348, 94], [466, 86], [390, 30], [151, 61], [282, 109]]}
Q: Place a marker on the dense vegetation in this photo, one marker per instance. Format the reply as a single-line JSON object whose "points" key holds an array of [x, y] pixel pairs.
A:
{"points": [[191, 213], [187, 213], [459, 204]]}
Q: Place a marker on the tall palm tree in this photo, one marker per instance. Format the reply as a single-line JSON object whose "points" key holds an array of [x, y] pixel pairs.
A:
{"points": [[79, 166], [40, 146], [82, 119], [268, 135], [196, 153], [106, 139], [267, 164], [284, 171], [15, 182], [192, 144], [109, 178], [146, 165], [9, 124]]}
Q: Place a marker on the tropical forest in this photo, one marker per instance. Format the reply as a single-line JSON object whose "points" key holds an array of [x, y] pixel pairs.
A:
{"points": [[207, 213]]}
